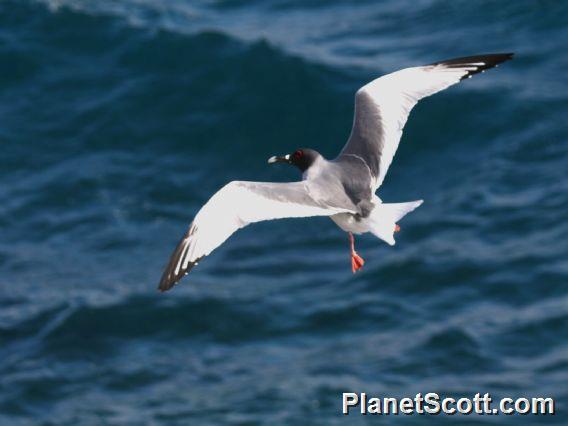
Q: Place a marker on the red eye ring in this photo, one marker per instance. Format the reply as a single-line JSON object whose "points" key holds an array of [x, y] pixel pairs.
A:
{"points": [[298, 154]]}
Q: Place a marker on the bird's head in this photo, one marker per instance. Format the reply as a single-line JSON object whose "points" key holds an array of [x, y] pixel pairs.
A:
{"points": [[302, 158]]}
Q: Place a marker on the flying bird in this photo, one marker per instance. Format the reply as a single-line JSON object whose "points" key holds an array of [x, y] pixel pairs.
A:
{"points": [[343, 188]]}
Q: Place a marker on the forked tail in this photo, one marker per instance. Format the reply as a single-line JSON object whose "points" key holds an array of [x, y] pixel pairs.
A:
{"points": [[385, 216]]}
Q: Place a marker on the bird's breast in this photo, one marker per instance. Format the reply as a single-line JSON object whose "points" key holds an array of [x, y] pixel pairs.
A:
{"points": [[351, 223]]}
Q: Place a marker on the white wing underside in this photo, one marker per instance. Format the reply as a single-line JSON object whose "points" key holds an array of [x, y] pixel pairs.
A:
{"points": [[383, 105], [238, 204], [235, 206]]}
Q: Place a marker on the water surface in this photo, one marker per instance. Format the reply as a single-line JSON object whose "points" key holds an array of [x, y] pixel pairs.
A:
{"points": [[118, 120]]}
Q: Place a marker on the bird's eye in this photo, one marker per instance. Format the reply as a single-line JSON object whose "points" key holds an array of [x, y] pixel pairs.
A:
{"points": [[298, 154]]}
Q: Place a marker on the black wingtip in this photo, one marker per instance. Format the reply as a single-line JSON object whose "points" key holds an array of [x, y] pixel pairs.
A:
{"points": [[171, 277], [487, 61]]}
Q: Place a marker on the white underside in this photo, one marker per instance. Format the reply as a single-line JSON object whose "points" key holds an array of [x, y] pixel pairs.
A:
{"points": [[381, 222], [348, 223]]}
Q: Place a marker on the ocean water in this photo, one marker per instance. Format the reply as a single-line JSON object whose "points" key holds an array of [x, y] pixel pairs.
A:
{"points": [[118, 120]]}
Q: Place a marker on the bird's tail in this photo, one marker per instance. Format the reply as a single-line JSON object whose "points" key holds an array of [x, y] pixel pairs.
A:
{"points": [[385, 216]]}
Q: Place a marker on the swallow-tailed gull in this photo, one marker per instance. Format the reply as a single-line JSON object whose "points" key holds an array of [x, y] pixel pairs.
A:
{"points": [[343, 188]]}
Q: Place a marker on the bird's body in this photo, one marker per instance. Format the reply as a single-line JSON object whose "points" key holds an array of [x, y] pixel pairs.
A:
{"points": [[332, 183], [340, 183], [352, 223], [343, 188]]}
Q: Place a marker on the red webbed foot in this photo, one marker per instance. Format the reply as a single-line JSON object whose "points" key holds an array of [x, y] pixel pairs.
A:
{"points": [[357, 262]]}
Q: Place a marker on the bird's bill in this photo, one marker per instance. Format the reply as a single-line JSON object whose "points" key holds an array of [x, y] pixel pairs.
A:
{"points": [[279, 159]]}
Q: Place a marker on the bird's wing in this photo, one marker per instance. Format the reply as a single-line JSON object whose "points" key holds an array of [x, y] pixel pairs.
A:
{"points": [[382, 106], [233, 207]]}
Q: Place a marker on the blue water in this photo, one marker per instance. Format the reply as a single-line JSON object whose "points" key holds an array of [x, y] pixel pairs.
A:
{"points": [[118, 120]]}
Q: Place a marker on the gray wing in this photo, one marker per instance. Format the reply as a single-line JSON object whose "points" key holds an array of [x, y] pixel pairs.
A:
{"points": [[235, 206], [382, 106]]}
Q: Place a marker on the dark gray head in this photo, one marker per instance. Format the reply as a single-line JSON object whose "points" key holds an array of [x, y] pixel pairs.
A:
{"points": [[302, 158]]}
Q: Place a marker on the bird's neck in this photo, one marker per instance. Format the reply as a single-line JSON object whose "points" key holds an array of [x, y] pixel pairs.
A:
{"points": [[315, 168]]}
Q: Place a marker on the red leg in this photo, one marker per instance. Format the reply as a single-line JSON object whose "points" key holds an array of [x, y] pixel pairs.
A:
{"points": [[396, 227], [357, 261]]}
